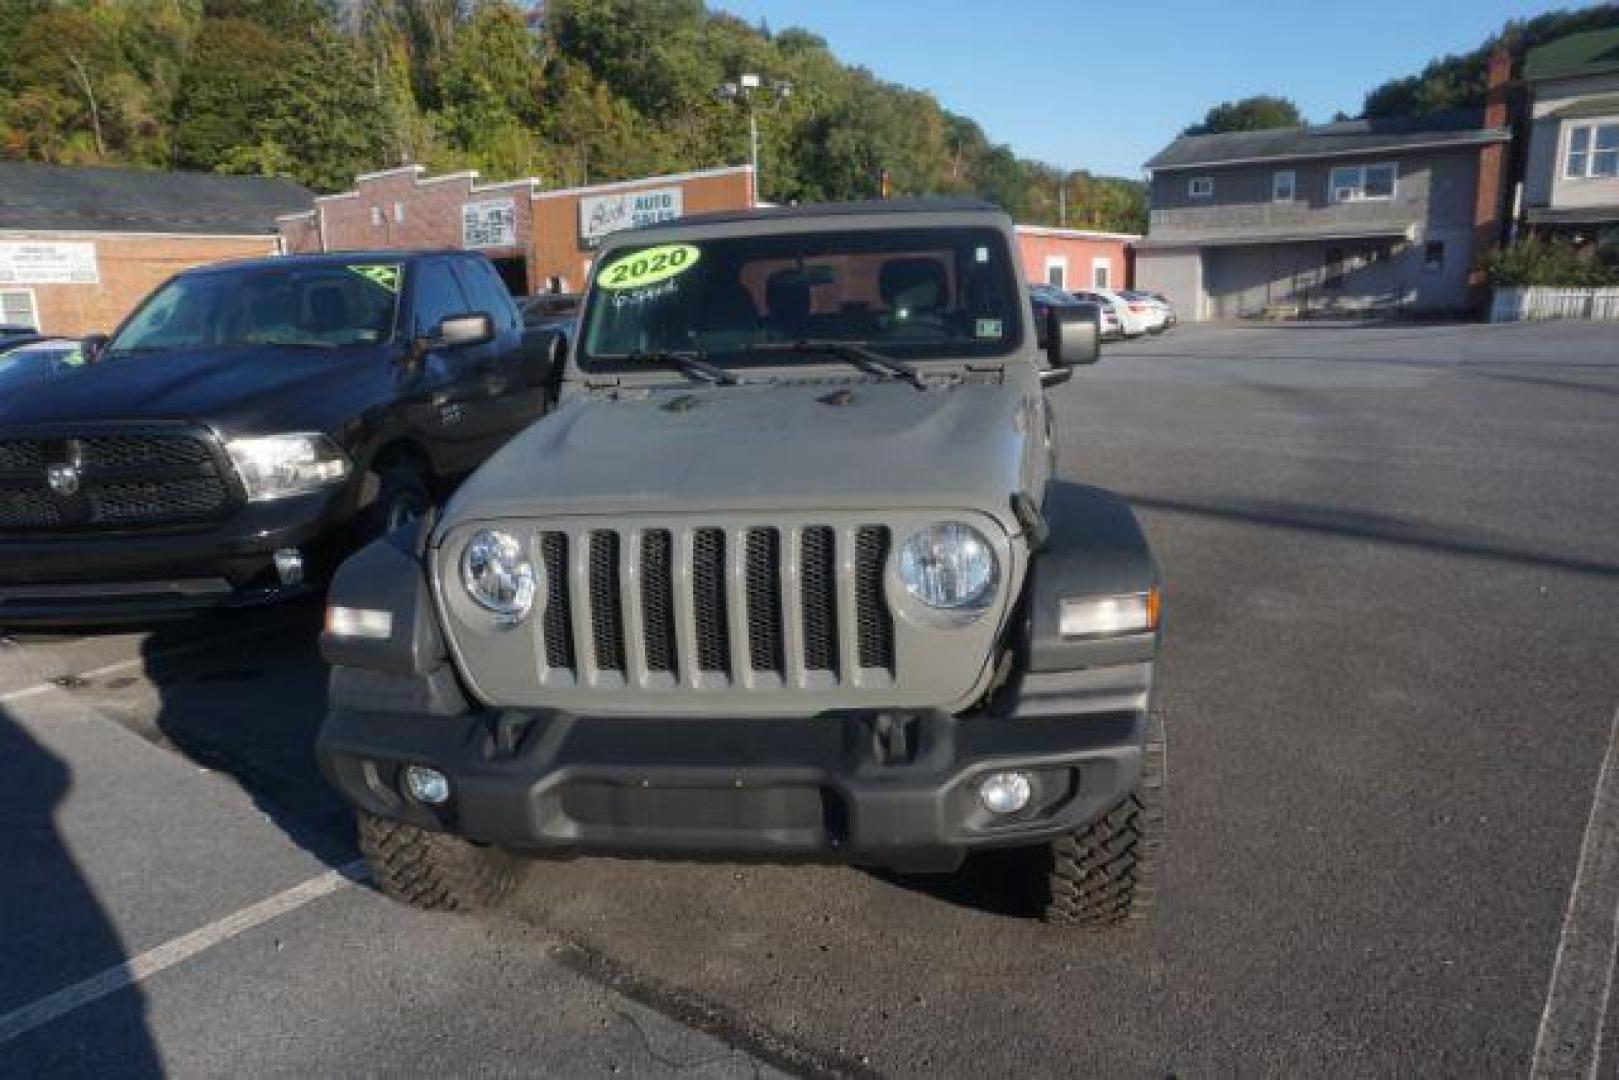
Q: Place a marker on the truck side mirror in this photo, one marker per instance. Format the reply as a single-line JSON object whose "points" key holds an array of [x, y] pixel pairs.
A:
{"points": [[1073, 336], [90, 346], [460, 331]]}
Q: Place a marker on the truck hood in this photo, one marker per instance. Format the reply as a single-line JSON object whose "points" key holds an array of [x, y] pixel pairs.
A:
{"points": [[812, 444], [236, 389]]}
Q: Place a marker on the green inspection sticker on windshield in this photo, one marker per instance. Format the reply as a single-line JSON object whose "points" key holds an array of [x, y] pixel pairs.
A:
{"points": [[648, 267], [386, 276]]}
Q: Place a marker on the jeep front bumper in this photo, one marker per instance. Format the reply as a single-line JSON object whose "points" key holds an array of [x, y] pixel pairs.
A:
{"points": [[900, 792]]}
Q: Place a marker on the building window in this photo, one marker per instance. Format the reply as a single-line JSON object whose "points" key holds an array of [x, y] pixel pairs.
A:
{"points": [[1282, 186], [1362, 183], [1056, 271], [399, 213], [1101, 273], [17, 308], [376, 215], [1201, 187], [1433, 256], [1593, 150]]}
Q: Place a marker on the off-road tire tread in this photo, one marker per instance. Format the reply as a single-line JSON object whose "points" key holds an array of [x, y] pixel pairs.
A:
{"points": [[1104, 875], [435, 871]]}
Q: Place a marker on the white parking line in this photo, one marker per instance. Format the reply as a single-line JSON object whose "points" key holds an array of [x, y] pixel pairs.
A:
{"points": [[1569, 1042], [138, 661], [19, 1022]]}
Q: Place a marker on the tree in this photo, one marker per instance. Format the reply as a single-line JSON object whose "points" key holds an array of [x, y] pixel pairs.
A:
{"points": [[234, 69], [1250, 114]]}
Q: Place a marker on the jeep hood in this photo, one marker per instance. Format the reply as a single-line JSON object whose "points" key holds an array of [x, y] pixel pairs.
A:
{"points": [[814, 444]]}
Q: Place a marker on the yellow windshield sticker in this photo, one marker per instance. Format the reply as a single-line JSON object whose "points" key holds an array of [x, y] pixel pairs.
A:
{"points": [[386, 276], [648, 267]]}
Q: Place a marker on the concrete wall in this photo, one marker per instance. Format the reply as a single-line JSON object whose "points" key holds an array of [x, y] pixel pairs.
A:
{"points": [[1079, 253], [129, 266], [1544, 184], [1176, 274]]}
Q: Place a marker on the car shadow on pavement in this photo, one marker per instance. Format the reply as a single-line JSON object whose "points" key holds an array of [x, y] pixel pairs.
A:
{"points": [[54, 931], [250, 709], [989, 883]]}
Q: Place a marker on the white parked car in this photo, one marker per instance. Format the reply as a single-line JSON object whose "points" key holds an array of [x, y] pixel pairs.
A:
{"points": [[1158, 308], [1135, 318]]}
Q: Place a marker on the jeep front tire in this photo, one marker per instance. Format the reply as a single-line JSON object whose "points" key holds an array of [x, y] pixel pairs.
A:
{"points": [[435, 871], [1103, 875]]}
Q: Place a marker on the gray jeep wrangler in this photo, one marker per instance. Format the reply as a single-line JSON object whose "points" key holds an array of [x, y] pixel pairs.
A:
{"points": [[787, 575]]}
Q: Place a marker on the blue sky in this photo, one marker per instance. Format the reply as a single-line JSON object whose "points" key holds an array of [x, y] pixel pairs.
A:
{"points": [[1101, 86]]}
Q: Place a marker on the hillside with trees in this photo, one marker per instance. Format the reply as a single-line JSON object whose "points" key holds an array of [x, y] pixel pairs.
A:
{"points": [[581, 91]]}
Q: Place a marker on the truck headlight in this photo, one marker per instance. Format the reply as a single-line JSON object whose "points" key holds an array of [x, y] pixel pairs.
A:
{"points": [[276, 466], [949, 565], [497, 575]]}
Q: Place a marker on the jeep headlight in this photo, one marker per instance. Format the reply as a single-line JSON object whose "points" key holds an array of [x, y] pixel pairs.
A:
{"points": [[949, 566], [276, 466], [497, 575]]}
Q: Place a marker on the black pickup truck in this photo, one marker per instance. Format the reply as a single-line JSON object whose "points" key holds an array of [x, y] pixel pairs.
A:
{"points": [[251, 423]]}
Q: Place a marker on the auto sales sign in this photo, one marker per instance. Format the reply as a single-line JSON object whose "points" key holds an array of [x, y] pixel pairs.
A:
{"points": [[601, 215]]}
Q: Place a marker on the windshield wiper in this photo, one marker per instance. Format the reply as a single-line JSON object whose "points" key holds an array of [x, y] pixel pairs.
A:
{"points": [[687, 361], [861, 356]]}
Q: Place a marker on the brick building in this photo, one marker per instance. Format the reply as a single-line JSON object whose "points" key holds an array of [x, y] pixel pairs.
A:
{"points": [[1077, 258], [80, 247], [539, 240]]}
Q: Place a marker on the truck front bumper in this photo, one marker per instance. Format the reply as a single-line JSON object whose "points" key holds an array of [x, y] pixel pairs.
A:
{"points": [[110, 577], [842, 788]]}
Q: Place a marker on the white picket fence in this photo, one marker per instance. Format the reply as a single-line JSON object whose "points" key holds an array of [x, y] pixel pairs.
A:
{"points": [[1527, 302]]}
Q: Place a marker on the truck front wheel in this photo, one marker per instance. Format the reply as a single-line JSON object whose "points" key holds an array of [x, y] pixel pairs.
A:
{"points": [[1103, 875], [433, 871]]}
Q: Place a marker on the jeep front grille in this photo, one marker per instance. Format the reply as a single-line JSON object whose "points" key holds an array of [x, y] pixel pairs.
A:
{"points": [[711, 607]]}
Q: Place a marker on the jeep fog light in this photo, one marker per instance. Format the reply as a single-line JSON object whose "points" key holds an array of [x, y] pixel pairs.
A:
{"points": [[1005, 792], [498, 575], [425, 785], [359, 622], [1109, 616]]}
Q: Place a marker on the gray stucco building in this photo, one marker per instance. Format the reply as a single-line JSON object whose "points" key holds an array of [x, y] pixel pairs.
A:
{"points": [[1350, 217]]}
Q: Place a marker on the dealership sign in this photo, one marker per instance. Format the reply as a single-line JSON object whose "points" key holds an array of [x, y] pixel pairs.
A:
{"points": [[48, 264], [600, 215], [489, 224]]}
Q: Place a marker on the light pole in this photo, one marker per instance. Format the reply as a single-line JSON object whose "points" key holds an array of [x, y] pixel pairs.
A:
{"points": [[743, 90]]}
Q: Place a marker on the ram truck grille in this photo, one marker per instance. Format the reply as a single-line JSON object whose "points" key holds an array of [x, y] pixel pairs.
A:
{"points": [[713, 607], [113, 481]]}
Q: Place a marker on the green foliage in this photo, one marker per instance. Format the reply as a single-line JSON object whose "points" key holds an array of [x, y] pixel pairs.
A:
{"points": [[1455, 82], [1552, 262], [609, 89], [1250, 114]]}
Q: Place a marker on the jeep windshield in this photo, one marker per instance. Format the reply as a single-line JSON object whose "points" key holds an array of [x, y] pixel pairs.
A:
{"points": [[327, 305], [906, 294]]}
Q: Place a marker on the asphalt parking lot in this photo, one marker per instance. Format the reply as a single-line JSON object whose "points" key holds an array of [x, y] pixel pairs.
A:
{"points": [[1389, 687]]}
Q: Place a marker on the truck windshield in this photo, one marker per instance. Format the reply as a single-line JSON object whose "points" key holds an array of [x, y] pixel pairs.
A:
{"points": [[912, 294], [316, 306]]}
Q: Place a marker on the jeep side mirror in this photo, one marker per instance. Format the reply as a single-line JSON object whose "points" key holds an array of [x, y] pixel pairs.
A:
{"points": [[459, 331], [544, 353], [1073, 336]]}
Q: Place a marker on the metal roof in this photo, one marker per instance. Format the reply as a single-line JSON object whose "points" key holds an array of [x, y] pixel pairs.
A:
{"points": [[1594, 52], [1464, 127], [96, 199]]}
